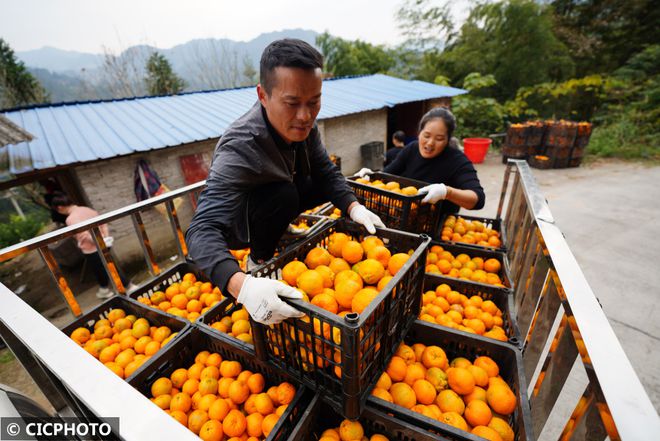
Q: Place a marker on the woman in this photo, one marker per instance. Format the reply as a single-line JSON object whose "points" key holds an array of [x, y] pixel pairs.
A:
{"points": [[435, 158]]}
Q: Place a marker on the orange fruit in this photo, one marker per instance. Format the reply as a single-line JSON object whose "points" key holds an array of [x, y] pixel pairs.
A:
{"points": [[268, 424], [211, 431], [437, 378], [179, 301], [487, 433], [151, 348], [292, 271], [455, 420], [396, 262], [414, 372], [351, 430], [383, 394], [210, 372], [362, 299], [384, 382], [371, 242], [487, 364], [371, 271], [492, 266], [327, 274], [345, 291], [477, 413], [338, 264], [327, 302], [219, 409], [380, 253], [191, 386], [397, 369], [434, 356], [336, 242], [460, 380], [352, 252], [234, 423], [424, 391], [163, 401], [196, 420], [230, 368], [256, 383], [460, 362], [479, 393], [406, 352], [383, 282], [403, 395], [311, 282], [285, 393], [181, 417], [239, 391], [181, 402], [195, 371], [162, 386], [479, 374], [502, 428], [317, 256], [263, 404], [254, 423], [449, 401], [206, 401], [500, 397]]}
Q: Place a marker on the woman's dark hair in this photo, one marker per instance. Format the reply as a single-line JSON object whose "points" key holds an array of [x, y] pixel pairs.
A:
{"points": [[440, 113], [399, 135], [60, 200], [288, 52]]}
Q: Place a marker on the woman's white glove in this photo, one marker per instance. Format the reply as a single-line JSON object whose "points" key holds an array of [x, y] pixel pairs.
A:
{"points": [[434, 193], [364, 173], [260, 297], [361, 215]]}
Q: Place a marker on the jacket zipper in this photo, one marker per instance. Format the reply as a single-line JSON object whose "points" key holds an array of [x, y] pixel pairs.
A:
{"points": [[247, 218]]}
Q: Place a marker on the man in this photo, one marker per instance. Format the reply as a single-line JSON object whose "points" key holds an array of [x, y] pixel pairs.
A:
{"points": [[398, 140], [269, 165], [74, 214]]}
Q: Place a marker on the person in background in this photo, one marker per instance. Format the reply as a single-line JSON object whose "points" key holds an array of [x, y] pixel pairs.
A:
{"points": [[75, 214], [398, 140], [436, 158]]}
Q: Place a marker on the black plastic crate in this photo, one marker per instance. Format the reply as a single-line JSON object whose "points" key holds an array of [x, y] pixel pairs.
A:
{"points": [[455, 345], [495, 224], [485, 254], [319, 417], [315, 223], [364, 342], [172, 275], [182, 354], [318, 211], [327, 210], [154, 316], [398, 211], [225, 308], [502, 297]]}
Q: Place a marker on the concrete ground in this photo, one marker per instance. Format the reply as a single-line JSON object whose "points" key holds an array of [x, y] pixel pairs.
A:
{"points": [[609, 214]]}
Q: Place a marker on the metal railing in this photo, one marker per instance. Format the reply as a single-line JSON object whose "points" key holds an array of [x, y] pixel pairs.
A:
{"points": [[561, 321], [41, 243], [557, 312]]}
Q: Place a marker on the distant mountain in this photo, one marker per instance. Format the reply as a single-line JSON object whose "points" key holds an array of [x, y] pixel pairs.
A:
{"points": [[202, 63]]}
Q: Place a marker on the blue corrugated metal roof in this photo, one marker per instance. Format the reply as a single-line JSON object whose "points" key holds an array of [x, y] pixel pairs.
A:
{"points": [[72, 133]]}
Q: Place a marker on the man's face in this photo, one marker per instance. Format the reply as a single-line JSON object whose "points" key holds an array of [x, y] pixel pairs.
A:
{"points": [[294, 101]]}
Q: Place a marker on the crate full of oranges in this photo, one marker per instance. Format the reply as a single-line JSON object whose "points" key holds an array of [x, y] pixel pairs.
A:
{"points": [[182, 291], [473, 231], [471, 264], [360, 294], [458, 384], [219, 393]]}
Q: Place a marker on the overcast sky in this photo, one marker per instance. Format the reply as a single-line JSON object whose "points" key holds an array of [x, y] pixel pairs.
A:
{"points": [[88, 25]]}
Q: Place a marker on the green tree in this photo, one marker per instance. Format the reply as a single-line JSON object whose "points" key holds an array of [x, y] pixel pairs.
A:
{"points": [[475, 115], [18, 87], [514, 41], [344, 57], [161, 79], [425, 25], [602, 34]]}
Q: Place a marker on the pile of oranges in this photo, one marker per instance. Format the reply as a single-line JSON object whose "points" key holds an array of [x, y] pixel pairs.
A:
{"points": [[470, 232], [392, 186], [122, 342], [350, 431], [470, 396], [236, 324], [216, 399], [187, 299], [347, 275], [462, 266], [241, 256], [450, 308]]}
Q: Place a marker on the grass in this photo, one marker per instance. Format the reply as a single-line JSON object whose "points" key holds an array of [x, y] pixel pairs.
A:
{"points": [[624, 139], [6, 356]]}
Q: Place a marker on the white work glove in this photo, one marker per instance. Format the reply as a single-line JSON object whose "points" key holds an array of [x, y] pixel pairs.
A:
{"points": [[364, 173], [362, 216], [260, 296], [434, 193]]}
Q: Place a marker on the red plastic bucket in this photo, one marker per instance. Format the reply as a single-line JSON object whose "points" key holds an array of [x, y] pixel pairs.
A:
{"points": [[476, 148]]}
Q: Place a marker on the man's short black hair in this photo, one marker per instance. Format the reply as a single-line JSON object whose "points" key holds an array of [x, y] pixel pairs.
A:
{"points": [[288, 52], [399, 135], [60, 200]]}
